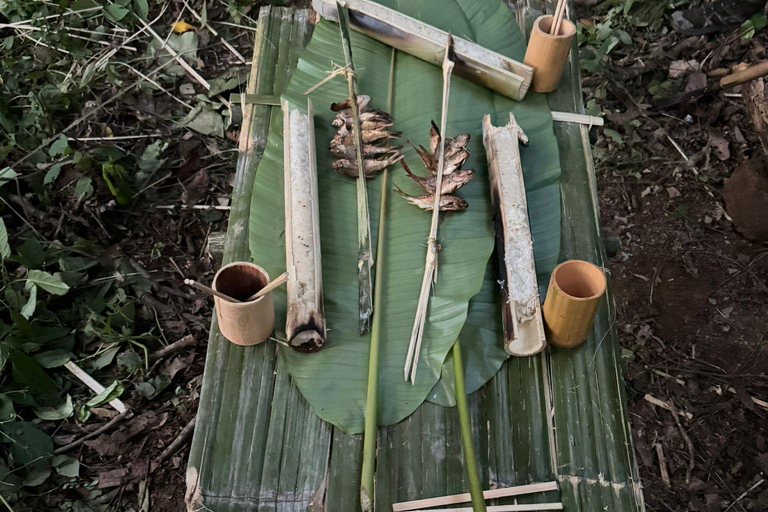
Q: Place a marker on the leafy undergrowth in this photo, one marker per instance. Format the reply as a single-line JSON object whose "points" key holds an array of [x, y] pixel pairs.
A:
{"points": [[116, 155], [690, 290]]}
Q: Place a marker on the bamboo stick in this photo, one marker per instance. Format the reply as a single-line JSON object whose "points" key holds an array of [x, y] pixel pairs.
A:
{"points": [[371, 431], [465, 425], [430, 269], [365, 255], [492, 494], [502, 508], [558, 18], [209, 290], [305, 315], [521, 310], [473, 62], [94, 385], [278, 281]]}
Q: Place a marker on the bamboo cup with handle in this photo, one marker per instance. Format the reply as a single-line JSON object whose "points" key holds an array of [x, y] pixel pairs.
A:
{"points": [[575, 289], [244, 323], [547, 53]]}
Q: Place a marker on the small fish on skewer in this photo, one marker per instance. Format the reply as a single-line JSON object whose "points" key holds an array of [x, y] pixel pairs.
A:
{"points": [[346, 104], [447, 203], [374, 116], [451, 182], [372, 167], [340, 150], [346, 137]]}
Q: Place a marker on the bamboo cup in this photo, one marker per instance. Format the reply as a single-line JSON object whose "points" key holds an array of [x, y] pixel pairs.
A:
{"points": [[547, 54], [574, 294], [244, 323]]}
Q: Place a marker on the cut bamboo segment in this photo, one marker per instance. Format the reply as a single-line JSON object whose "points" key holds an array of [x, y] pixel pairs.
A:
{"points": [[244, 322], [547, 53], [491, 494], [520, 309], [305, 315], [575, 288], [473, 62]]}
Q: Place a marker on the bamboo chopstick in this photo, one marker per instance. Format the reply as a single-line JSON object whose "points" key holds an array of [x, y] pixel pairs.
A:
{"points": [[206, 289], [557, 19], [279, 280]]}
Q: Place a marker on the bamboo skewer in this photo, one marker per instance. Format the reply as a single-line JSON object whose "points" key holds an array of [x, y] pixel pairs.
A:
{"points": [[557, 20], [209, 290], [455, 499], [365, 256], [278, 281], [430, 269]]}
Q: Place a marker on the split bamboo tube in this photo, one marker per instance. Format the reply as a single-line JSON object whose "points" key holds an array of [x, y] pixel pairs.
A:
{"points": [[547, 53], [243, 323], [574, 294]]}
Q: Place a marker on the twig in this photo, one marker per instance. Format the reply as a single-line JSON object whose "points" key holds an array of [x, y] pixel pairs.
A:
{"points": [[209, 290], [95, 386], [662, 465], [665, 405], [215, 33], [186, 341], [104, 428], [755, 486], [430, 268], [192, 207], [688, 442], [176, 444]]}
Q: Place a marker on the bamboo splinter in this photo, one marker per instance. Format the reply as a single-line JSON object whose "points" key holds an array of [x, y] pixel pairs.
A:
{"points": [[520, 309], [430, 269], [305, 315]]}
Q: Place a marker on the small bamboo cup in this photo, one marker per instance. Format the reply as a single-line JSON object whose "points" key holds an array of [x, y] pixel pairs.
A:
{"points": [[244, 323], [547, 54], [574, 294]]}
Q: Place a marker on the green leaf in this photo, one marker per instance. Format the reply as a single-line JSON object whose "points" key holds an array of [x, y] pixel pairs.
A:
{"points": [[62, 411], [52, 283], [105, 357], [59, 146], [466, 237], [5, 247], [29, 308], [112, 391], [6, 175], [28, 373], [142, 8], [204, 120], [52, 174], [66, 465], [115, 12], [53, 358], [29, 444], [84, 188]]}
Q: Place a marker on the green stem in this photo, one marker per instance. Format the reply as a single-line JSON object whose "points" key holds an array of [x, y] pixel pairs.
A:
{"points": [[475, 488], [371, 400]]}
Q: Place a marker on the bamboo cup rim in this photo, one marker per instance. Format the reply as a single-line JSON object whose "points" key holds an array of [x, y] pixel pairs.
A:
{"points": [[580, 280], [567, 28], [252, 272]]}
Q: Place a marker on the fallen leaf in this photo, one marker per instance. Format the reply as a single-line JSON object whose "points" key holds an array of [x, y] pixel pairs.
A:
{"points": [[180, 27], [680, 68], [112, 478], [196, 188], [717, 141]]}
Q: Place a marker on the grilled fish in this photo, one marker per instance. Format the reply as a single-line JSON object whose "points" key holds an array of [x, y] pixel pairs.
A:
{"points": [[362, 101], [342, 151], [344, 136], [447, 203], [348, 167], [450, 183]]}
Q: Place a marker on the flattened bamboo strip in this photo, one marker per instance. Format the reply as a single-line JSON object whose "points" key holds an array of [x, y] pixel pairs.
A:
{"points": [[465, 497]]}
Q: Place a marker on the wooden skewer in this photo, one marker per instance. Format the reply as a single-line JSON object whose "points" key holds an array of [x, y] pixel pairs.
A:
{"points": [[206, 289], [278, 281], [557, 19]]}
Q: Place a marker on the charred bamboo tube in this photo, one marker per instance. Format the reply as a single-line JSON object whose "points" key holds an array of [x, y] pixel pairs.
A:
{"points": [[426, 42], [520, 309], [245, 322], [547, 53], [305, 316], [575, 289]]}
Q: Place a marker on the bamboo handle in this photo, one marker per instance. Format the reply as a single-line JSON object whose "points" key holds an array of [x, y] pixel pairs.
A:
{"points": [[206, 289], [278, 281], [742, 77]]}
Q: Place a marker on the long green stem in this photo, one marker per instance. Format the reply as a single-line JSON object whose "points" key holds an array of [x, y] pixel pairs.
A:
{"points": [[371, 400], [365, 255], [475, 488]]}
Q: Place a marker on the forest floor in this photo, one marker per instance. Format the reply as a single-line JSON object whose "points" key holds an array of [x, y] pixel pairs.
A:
{"points": [[116, 165]]}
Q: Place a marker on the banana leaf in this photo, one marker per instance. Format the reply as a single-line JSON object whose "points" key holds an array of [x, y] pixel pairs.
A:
{"points": [[465, 301]]}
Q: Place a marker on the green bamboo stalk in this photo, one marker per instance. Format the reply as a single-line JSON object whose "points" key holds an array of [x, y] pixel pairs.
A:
{"points": [[370, 434], [475, 488], [365, 255]]}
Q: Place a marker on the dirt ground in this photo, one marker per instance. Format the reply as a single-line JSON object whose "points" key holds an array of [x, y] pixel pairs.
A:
{"points": [[691, 291]]}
